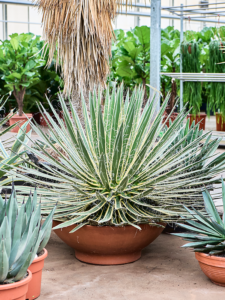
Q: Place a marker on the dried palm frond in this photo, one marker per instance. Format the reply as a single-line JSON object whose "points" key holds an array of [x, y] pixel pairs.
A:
{"points": [[82, 32]]}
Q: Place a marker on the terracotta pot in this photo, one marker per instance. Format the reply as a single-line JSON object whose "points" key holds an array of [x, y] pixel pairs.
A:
{"points": [[34, 288], [17, 290], [201, 117], [189, 48], [213, 267], [22, 120], [220, 122], [108, 245], [43, 121], [172, 118]]}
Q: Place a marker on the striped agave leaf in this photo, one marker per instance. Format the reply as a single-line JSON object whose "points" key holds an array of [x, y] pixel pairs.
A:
{"points": [[121, 167]]}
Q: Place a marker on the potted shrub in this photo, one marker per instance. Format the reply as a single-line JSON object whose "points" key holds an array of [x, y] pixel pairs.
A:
{"points": [[19, 64], [217, 91], [22, 236], [192, 90], [119, 180], [207, 238]]}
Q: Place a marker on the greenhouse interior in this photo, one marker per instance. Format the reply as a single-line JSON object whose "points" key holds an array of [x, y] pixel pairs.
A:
{"points": [[112, 149]]}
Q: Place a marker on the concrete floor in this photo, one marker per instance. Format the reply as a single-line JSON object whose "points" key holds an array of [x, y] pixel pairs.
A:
{"points": [[164, 272]]}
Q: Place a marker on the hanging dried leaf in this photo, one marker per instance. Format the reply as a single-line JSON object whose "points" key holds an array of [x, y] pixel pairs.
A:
{"points": [[82, 32]]}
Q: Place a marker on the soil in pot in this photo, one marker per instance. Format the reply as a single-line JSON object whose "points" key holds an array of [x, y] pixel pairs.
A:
{"points": [[220, 122], [213, 267], [108, 245], [34, 287], [201, 117], [17, 290], [22, 119]]}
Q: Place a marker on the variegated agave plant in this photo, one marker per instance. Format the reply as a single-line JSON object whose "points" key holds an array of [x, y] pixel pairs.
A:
{"points": [[121, 168], [22, 236]]}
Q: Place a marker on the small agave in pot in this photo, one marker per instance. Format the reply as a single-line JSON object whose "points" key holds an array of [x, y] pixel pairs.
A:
{"points": [[22, 236]]}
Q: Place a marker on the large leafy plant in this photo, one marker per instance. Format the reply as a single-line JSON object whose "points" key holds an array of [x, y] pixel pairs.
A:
{"points": [[207, 233], [120, 169], [131, 58], [20, 60], [22, 236]]}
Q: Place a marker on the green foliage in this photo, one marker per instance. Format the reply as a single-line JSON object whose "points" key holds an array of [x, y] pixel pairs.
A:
{"points": [[120, 169], [48, 83], [207, 232], [22, 236], [20, 60], [191, 64], [130, 56], [217, 65]]}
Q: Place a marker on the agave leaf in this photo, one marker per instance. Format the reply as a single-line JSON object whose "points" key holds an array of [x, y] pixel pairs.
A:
{"points": [[2, 212], [79, 226], [223, 198], [108, 214], [118, 203], [203, 227], [103, 171], [20, 261], [117, 154], [46, 238], [17, 232], [122, 185], [195, 244], [210, 207], [101, 133], [23, 269], [4, 262]]}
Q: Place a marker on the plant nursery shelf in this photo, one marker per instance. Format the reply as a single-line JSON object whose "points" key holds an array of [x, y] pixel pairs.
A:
{"points": [[201, 77]]}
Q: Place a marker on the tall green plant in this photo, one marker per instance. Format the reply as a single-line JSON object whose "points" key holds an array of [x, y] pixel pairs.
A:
{"points": [[191, 64], [217, 91], [118, 170]]}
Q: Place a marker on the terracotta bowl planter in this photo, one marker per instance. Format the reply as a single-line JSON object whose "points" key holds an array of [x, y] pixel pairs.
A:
{"points": [[201, 117], [213, 267], [220, 123], [34, 288], [108, 245], [172, 118], [22, 120], [17, 290]]}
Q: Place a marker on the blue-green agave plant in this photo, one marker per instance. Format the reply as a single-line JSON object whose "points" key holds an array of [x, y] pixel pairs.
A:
{"points": [[22, 236]]}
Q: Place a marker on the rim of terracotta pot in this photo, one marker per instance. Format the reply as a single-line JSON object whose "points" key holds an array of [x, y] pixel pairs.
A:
{"points": [[199, 114], [41, 257], [210, 259], [18, 283], [23, 116]]}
